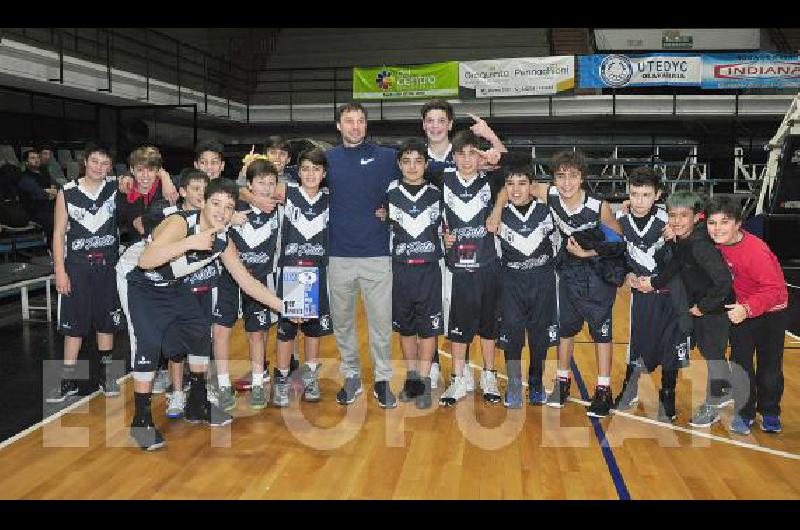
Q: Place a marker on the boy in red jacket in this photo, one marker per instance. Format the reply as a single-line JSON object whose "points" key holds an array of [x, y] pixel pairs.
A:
{"points": [[758, 318]]}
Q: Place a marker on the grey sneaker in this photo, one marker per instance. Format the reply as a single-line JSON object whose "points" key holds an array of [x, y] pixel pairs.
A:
{"points": [[65, 388], [722, 401], [280, 391], [108, 382], [705, 416], [350, 391], [435, 375], [226, 398], [161, 382], [258, 397], [175, 405], [488, 382], [469, 380], [311, 391]]}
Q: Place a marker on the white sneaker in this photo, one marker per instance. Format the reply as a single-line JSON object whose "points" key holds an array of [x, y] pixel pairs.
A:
{"points": [[491, 393], [176, 401], [456, 391], [469, 380], [435, 375], [161, 382]]}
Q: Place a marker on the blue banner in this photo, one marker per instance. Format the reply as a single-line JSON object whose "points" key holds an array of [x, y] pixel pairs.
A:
{"points": [[617, 71], [751, 70]]}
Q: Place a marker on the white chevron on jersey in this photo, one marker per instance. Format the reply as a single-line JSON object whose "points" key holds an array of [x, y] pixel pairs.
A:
{"points": [[466, 211], [527, 245], [414, 226], [92, 221], [256, 236], [660, 214], [568, 230], [308, 228], [644, 258]]}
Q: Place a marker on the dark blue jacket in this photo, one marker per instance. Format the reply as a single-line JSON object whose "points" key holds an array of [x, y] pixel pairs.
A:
{"points": [[357, 179]]}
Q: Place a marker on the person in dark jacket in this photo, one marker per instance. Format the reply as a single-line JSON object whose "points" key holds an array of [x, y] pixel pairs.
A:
{"points": [[132, 207], [709, 287]]}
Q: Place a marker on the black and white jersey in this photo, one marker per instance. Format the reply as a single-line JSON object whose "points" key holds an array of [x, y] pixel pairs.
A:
{"points": [[257, 239], [529, 238], [443, 164], [645, 251], [570, 222], [467, 205], [195, 268], [415, 219], [304, 234], [91, 222]]}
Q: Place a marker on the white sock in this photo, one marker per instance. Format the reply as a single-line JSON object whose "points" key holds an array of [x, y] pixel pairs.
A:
{"points": [[179, 392], [224, 379], [284, 373], [312, 364], [603, 381], [258, 378], [562, 374]]}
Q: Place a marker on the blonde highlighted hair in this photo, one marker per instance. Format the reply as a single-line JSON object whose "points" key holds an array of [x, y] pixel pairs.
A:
{"points": [[146, 155]]}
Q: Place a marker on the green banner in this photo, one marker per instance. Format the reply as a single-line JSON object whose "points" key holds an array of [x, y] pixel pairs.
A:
{"points": [[405, 82]]}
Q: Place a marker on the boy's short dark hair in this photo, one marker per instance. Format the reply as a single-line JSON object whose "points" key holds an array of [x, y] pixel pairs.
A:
{"points": [[315, 155], [189, 175], [726, 206], [222, 185], [45, 146], [277, 142], [260, 167], [464, 138], [212, 146], [350, 107], [95, 147], [520, 170], [438, 104], [413, 145], [645, 176], [31, 150], [568, 158], [685, 199]]}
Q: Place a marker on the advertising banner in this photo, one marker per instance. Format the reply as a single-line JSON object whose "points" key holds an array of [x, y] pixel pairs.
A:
{"points": [[751, 70], [405, 82], [521, 76], [616, 71]]}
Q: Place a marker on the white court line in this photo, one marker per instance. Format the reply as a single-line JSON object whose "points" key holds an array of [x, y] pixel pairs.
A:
{"points": [[58, 414], [657, 423], [795, 337]]}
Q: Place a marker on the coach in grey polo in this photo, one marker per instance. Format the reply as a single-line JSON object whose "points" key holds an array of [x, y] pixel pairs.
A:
{"points": [[358, 174]]}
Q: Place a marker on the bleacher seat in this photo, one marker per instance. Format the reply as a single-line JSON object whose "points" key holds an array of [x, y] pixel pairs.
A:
{"points": [[72, 169], [78, 155], [64, 156], [14, 239], [7, 155]]}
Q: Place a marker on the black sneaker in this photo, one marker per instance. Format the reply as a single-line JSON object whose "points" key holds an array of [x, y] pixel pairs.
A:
{"points": [[558, 397], [350, 391], [147, 437], [383, 394], [601, 402], [424, 399], [294, 365], [666, 406], [206, 412], [628, 397], [412, 387], [65, 388]]}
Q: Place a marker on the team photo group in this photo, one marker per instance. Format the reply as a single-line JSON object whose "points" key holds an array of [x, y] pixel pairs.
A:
{"points": [[447, 235]]}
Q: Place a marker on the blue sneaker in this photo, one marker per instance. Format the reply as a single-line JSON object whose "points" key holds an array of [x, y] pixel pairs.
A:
{"points": [[513, 397], [537, 395], [741, 425], [771, 424]]}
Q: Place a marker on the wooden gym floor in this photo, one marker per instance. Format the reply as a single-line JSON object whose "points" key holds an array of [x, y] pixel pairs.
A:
{"points": [[473, 451]]}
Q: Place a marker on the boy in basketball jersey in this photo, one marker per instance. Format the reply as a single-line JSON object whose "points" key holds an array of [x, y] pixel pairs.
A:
{"points": [[85, 250], [415, 216], [708, 288], [528, 295], [304, 243], [659, 324], [256, 240], [165, 314], [758, 318]]}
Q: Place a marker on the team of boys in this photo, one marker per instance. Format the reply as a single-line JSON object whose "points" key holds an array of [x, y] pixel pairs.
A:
{"points": [[477, 247]]}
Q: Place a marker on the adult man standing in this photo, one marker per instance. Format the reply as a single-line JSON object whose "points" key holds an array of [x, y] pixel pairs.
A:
{"points": [[358, 174]]}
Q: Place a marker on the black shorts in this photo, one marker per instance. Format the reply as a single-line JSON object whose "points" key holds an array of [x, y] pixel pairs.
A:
{"points": [[93, 302], [316, 327], [232, 303], [655, 335], [527, 304], [172, 320], [417, 299], [473, 295], [583, 296]]}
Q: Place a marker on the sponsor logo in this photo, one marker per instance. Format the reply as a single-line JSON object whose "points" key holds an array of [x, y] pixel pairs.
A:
{"points": [[456, 331], [503, 338], [116, 317], [93, 242], [306, 249], [415, 247], [436, 320], [384, 80], [758, 70], [605, 329], [365, 161], [470, 232], [325, 322], [153, 276], [616, 70], [552, 332], [682, 351], [255, 257], [261, 316]]}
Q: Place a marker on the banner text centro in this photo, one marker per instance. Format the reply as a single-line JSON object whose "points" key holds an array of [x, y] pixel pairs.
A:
{"points": [[406, 82]]}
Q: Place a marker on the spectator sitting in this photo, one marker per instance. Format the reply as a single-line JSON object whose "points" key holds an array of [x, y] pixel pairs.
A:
{"points": [[11, 211], [50, 165], [33, 168]]}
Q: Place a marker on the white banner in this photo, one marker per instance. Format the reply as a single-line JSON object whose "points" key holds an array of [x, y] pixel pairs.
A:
{"points": [[522, 76]]}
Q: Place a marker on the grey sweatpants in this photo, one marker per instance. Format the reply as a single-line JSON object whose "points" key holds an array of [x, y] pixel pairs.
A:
{"points": [[373, 276]]}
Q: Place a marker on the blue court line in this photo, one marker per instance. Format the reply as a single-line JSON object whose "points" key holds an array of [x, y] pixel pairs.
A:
{"points": [[608, 454]]}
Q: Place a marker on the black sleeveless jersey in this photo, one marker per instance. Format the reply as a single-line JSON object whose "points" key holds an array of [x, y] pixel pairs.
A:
{"points": [[466, 208], [91, 222], [195, 268], [645, 251], [527, 238], [587, 217], [414, 221], [446, 164], [257, 239], [304, 234]]}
